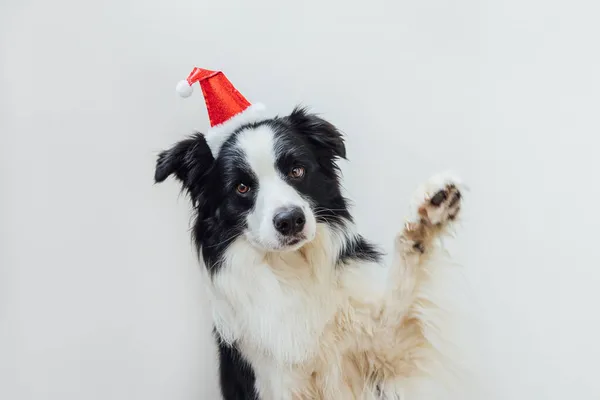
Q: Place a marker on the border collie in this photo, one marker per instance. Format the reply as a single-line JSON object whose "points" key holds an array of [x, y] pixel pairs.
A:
{"points": [[302, 307]]}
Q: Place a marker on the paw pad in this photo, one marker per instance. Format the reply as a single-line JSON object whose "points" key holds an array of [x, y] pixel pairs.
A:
{"points": [[438, 198], [443, 206]]}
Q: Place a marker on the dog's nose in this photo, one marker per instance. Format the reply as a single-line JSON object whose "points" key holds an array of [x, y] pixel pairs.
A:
{"points": [[289, 221]]}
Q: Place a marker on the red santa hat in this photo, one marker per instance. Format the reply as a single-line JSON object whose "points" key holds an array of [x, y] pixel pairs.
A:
{"points": [[227, 108]]}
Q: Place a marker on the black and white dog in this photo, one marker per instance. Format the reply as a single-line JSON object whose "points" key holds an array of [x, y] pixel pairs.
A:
{"points": [[302, 307]]}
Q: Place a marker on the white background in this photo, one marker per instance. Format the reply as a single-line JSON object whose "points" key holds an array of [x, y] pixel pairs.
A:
{"points": [[100, 295]]}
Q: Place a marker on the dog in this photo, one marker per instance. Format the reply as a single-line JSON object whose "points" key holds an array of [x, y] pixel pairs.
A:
{"points": [[302, 306]]}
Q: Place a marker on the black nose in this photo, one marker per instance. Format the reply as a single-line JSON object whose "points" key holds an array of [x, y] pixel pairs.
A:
{"points": [[289, 221]]}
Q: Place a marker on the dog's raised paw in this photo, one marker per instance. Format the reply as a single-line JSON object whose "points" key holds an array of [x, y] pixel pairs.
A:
{"points": [[438, 201], [442, 207], [436, 205]]}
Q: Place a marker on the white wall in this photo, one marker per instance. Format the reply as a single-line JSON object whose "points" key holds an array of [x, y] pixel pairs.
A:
{"points": [[100, 296]]}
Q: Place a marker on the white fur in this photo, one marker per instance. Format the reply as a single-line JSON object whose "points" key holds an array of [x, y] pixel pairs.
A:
{"points": [[276, 306]]}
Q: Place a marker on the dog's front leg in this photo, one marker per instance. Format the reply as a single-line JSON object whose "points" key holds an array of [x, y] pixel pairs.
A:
{"points": [[411, 311], [437, 205]]}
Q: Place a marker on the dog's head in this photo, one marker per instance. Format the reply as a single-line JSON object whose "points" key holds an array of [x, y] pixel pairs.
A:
{"points": [[272, 181]]}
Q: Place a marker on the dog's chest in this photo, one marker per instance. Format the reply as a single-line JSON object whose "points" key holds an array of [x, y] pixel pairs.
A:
{"points": [[274, 307]]}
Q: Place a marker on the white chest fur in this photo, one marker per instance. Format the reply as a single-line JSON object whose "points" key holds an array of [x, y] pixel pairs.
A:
{"points": [[277, 305]]}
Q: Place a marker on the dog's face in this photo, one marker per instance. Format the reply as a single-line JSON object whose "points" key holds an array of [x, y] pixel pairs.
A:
{"points": [[268, 173], [271, 182]]}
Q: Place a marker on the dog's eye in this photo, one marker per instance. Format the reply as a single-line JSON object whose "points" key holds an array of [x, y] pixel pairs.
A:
{"points": [[242, 188], [296, 172]]}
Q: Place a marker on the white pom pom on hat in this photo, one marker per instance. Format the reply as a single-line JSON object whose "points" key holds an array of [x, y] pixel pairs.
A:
{"points": [[184, 88]]}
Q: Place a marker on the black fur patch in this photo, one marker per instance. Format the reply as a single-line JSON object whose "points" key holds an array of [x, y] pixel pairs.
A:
{"points": [[359, 249], [235, 373]]}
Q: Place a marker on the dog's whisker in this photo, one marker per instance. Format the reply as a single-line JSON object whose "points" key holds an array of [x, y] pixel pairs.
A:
{"points": [[317, 210], [223, 242], [325, 214]]}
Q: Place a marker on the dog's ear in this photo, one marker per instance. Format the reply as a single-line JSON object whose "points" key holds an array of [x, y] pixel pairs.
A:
{"points": [[188, 160], [321, 133]]}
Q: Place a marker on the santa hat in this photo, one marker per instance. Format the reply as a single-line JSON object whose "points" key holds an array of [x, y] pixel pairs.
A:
{"points": [[227, 108]]}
